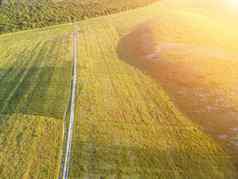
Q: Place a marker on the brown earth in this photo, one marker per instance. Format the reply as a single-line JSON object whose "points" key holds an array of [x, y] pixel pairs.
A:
{"points": [[199, 76]]}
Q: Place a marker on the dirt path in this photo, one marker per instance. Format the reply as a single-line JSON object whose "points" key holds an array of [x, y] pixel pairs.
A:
{"points": [[66, 163]]}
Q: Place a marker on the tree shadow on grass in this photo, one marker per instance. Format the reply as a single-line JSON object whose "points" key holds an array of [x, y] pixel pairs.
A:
{"points": [[35, 86]]}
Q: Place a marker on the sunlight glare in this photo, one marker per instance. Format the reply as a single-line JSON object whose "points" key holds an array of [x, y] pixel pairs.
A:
{"points": [[233, 3]]}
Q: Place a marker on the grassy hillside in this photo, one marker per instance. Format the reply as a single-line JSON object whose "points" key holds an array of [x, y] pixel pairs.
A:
{"points": [[20, 15], [126, 126]]}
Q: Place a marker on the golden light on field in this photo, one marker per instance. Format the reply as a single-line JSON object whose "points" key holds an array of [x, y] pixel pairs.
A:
{"points": [[193, 55]]}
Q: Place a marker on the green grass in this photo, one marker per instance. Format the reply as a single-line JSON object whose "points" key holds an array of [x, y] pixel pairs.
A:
{"points": [[126, 125]]}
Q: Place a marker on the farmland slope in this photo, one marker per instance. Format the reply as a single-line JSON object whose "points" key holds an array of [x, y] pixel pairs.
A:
{"points": [[128, 127], [126, 124]]}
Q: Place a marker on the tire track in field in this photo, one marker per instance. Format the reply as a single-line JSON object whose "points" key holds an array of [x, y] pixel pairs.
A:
{"points": [[66, 163]]}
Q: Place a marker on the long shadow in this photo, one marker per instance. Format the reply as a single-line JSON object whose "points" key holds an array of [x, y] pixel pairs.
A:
{"points": [[33, 86]]}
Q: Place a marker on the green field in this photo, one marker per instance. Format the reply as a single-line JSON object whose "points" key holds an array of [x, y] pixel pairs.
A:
{"points": [[126, 126]]}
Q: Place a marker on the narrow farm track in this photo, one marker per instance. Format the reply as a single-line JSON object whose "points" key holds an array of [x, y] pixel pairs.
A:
{"points": [[72, 109]]}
